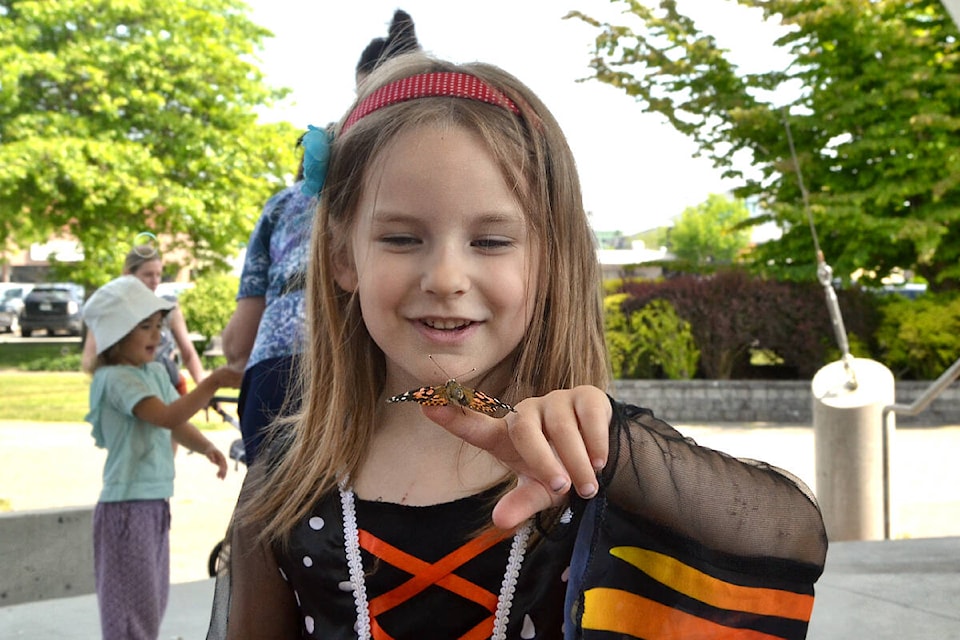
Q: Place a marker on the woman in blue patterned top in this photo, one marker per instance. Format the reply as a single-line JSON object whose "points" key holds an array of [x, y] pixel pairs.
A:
{"points": [[265, 330]]}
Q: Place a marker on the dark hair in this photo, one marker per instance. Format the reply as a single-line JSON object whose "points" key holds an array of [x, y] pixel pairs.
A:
{"points": [[401, 38]]}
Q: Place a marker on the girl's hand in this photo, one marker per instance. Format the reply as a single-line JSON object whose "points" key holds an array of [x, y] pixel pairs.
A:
{"points": [[550, 442], [216, 456], [227, 376]]}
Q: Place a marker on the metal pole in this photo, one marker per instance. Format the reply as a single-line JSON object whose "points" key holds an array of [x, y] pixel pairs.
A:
{"points": [[850, 451]]}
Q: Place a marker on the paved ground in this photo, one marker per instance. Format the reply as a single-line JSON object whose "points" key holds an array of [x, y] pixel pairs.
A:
{"points": [[47, 465]]}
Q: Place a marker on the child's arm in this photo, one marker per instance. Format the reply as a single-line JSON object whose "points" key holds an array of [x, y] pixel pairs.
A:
{"points": [[189, 436], [188, 353], [153, 410]]}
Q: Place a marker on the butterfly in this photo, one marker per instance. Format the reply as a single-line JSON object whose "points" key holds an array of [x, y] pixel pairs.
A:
{"points": [[453, 393]]}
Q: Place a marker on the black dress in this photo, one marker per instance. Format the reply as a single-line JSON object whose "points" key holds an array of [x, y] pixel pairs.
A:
{"points": [[682, 542]]}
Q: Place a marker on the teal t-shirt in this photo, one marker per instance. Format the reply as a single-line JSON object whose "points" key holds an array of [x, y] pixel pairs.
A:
{"points": [[139, 462]]}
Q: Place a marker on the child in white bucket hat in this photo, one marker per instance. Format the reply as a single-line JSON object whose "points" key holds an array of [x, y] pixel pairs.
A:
{"points": [[137, 414]]}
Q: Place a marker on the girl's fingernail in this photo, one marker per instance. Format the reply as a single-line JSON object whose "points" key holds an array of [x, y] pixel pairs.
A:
{"points": [[558, 484], [599, 464], [588, 490]]}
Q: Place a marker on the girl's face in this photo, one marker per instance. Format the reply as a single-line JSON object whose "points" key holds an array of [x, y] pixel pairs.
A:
{"points": [[139, 347], [150, 273], [442, 260]]}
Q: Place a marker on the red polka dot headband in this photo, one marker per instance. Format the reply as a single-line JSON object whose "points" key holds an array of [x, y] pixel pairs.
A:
{"points": [[430, 85]]}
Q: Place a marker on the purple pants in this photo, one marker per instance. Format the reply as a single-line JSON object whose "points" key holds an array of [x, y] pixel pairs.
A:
{"points": [[131, 553]]}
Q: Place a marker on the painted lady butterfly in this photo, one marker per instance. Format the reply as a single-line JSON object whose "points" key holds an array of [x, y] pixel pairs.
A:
{"points": [[453, 393]]}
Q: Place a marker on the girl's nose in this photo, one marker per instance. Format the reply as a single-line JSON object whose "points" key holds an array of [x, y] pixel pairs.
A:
{"points": [[445, 273]]}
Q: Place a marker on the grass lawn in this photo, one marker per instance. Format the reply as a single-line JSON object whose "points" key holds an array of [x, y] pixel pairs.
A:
{"points": [[59, 397], [16, 355]]}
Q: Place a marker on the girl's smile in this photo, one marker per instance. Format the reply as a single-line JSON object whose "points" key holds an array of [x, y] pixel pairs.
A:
{"points": [[441, 258]]}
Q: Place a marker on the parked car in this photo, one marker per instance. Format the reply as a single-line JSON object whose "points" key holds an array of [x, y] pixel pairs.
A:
{"points": [[11, 304], [52, 307], [9, 319]]}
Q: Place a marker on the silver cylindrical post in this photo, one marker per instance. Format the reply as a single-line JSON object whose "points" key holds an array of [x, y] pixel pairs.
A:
{"points": [[852, 439]]}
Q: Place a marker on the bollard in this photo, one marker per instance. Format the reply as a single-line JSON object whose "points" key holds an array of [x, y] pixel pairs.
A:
{"points": [[852, 445]]}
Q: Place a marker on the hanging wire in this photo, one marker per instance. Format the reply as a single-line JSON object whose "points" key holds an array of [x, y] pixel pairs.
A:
{"points": [[824, 271]]}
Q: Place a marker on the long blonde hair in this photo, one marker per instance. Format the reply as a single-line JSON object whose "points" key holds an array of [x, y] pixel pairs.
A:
{"points": [[343, 370]]}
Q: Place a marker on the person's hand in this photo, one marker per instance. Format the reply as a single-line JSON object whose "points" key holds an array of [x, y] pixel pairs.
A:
{"points": [[216, 456], [551, 442], [228, 376]]}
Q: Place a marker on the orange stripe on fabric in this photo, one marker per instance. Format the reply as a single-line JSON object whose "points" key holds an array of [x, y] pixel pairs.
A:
{"points": [[377, 632], [480, 632], [426, 574], [713, 591], [622, 612]]}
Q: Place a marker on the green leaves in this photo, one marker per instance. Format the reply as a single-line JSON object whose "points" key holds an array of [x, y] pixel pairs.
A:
{"points": [[120, 116], [712, 233], [875, 124]]}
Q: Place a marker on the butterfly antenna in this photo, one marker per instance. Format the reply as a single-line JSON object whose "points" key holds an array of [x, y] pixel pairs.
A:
{"points": [[444, 371]]}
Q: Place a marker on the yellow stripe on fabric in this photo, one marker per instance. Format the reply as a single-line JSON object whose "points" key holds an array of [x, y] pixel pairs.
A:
{"points": [[622, 612], [713, 591]]}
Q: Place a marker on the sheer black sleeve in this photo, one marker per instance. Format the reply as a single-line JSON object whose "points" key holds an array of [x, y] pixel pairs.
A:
{"points": [[730, 505]]}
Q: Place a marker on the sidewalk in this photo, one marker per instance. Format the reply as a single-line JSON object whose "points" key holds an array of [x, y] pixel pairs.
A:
{"points": [[52, 465], [884, 590]]}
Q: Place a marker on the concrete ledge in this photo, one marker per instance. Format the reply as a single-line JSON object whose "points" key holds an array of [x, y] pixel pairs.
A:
{"points": [[46, 554], [779, 401]]}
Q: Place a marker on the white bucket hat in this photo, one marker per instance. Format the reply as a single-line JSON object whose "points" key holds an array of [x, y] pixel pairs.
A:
{"points": [[116, 308]]}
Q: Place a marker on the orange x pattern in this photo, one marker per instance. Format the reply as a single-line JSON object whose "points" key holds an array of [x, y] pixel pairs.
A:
{"points": [[423, 574]]}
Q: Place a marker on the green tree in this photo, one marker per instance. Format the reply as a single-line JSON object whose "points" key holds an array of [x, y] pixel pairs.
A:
{"points": [[711, 233], [122, 116], [207, 307], [875, 124]]}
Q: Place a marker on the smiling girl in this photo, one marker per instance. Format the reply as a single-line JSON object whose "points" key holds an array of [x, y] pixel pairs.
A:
{"points": [[453, 267], [135, 412]]}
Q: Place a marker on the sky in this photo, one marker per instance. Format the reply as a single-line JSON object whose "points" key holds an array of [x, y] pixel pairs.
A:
{"points": [[636, 172]]}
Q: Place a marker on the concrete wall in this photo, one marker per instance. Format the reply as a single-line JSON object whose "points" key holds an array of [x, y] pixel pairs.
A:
{"points": [[780, 401], [46, 554]]}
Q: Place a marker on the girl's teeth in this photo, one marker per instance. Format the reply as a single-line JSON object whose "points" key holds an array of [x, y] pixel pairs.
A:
{"points": [[436, 324]]}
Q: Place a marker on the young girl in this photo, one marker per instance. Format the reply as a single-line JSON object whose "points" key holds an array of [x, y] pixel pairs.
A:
{"points": [[145, 262], [453, 266], [135, 411]]}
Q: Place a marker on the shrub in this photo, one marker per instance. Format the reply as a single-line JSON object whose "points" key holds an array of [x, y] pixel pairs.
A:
{"points": [[650, 342], [733, 315], [68, 362], [920, 338], [207, 307]]}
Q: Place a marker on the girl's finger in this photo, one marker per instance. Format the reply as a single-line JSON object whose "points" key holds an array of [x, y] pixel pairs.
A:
{"points": [[563, 430], [481, 431], [524, 501], [531, 442], [594, 413], [517, 441]]}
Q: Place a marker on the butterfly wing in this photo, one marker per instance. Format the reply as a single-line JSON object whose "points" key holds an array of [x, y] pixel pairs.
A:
{"points": [[482, 403], [427, 396], [454, 393]]}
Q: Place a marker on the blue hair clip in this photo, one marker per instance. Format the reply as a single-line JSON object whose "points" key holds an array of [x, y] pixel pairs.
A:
{"points": [[316, 154]]}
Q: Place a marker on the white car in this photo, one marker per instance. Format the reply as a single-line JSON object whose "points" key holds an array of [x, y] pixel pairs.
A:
{"points": [[11, 304]]}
